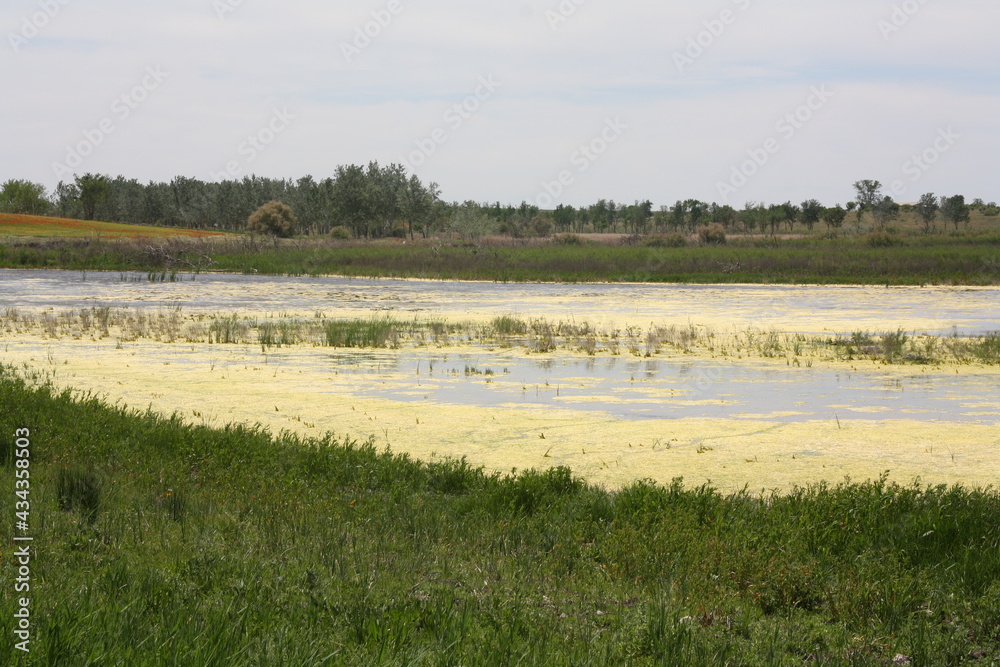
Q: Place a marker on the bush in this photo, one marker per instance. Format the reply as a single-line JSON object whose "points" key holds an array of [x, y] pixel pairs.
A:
{"points": [[671, 240], [274, 219], [714, 234], [541, 226], [883, 239], [340, 233], [398, 232], [568, 239]]}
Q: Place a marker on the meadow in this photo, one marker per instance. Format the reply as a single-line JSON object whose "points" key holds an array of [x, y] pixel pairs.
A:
{"points": [[170, 543]]}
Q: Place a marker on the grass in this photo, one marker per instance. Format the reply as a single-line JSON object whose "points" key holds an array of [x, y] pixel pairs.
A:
{"points": [[967, 259], [168, 543], [17, 225], [536, 335]]}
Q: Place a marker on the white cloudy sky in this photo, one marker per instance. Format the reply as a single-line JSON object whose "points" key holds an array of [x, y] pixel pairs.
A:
{"points": [[228, 65]]}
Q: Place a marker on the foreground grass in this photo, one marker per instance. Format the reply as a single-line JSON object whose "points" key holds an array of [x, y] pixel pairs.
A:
{"points": [[162, 543], [964, 259]]}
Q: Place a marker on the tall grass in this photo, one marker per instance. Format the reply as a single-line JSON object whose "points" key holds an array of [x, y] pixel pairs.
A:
{"points": [[969, 259], [374, 332], [233, 546]]}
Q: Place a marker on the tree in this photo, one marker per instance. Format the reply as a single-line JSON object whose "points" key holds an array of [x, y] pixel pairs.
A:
{"points": [[26, 197], [469, 221], [773, 217], [834, 217], [927, 210], [678, 215], [750, 216], [274, 219], [564, 217], [790, 212], [885, 211], [811, 211], [93, 192], [725, 215], [955, 210], [869, 193]]}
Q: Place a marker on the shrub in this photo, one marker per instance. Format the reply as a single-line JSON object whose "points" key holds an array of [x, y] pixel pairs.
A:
{"points": [[274, 219], [568, 239], [671, 240], [398, 232], [340, 233], [541, 226], [882, 239], [714, 234]]}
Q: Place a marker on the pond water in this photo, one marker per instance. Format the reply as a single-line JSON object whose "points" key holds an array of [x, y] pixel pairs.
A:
{"points": [[630, 388], [805, 309], [734, 420]]}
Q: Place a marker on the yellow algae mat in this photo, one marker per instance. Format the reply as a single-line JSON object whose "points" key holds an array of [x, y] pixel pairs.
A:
{"points": [[293, 388]]}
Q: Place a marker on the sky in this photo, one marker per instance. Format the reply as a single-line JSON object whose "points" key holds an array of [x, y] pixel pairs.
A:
{"points": [[549, 102]]}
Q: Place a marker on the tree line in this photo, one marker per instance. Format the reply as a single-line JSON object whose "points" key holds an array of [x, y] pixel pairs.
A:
{"points": [[376, 201]]}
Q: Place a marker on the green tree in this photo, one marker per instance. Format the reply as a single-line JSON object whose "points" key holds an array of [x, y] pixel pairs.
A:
{"points": [[868, 194], [17, 196], [885, 211], [273, 219], [93, 191], [811, 211], [927, 210], [955, 210], [470, 222], [834, 217], [564, 216], [789, 212]]}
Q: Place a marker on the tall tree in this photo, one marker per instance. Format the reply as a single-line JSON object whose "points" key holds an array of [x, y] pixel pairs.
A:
{"points": [[868, 194], [927, 210], [955, 210], [93, 192], [811, 211], [17, 196], [885, 211]]}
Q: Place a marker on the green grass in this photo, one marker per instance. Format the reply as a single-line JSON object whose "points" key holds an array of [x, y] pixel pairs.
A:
{"points": [[164, 543], [967, 259], [374, 332]]}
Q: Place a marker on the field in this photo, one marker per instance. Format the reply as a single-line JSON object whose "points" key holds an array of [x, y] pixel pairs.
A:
{"points": [[166, 543], [906, 258], [32, 226]]}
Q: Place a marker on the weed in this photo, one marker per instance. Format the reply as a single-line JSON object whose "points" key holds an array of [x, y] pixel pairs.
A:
{"points": [[79, 490]]}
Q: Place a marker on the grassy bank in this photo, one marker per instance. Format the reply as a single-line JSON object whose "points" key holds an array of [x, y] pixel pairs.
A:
{"points": [[161, 543], [908, 260]]}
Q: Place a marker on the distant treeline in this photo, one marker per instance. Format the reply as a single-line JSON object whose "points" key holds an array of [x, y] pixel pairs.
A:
{"points": [[379, 201]]}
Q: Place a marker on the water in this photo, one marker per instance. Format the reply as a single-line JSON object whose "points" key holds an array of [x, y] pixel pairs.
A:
{"points": [[625, 387], [629, 388], [803, 309]]}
